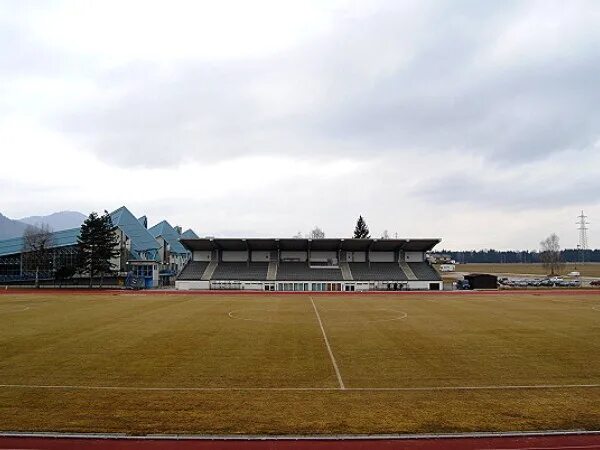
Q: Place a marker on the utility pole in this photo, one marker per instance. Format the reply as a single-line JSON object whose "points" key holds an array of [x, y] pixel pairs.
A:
{"points": [[582, 227]]}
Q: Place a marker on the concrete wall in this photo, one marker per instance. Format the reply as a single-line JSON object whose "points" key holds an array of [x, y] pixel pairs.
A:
{"points": [[201, 255], [261, 256], [253, 286], [323, 256], [302, 256], [188, 285], [361, 286], [231, 256], [423, 285], [414, 256], [381, 256], [163, 250], [356, 256], [259, 286]]}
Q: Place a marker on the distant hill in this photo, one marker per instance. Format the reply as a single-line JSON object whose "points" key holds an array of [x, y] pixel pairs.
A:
{"points": [[10, 228], [58, 221]]}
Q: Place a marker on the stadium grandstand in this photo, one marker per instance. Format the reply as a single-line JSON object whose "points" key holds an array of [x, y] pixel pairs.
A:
{"points": [[309, 264], [148, 257]]}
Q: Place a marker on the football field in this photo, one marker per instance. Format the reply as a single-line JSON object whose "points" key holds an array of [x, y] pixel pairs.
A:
{"points": [[232, 363]]}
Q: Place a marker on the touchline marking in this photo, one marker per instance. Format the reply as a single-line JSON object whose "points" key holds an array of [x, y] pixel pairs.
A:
{"points": [[25, 308], [296, 389], [333, 361]]}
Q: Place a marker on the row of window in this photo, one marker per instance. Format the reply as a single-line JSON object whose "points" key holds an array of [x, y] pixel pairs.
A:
{"points": [[142, 270], [309, 287]]}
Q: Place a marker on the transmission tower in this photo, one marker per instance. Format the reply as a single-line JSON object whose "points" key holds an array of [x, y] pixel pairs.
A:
{"points": [[582, 227]]}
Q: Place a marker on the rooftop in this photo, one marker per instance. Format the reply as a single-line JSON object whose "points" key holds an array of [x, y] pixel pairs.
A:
{"points": [[60, 238], [169, 234], [351, 245]]}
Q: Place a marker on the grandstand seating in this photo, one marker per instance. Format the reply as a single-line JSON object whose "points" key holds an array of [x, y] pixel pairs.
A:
{"points": [[301, 271], [377, 271], [193, 271], [242, 271], [424, 271]]}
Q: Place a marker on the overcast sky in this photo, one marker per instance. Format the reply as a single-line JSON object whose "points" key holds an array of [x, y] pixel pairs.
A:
{"points": [[474, 121]]}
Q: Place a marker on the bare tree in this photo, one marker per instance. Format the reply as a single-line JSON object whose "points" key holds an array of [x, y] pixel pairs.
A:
{"points": [[316, 233], [385, 235], [298, 235], [550, 254], [37, 242]]}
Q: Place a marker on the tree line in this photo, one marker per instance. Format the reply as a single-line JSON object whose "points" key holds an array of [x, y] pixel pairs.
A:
{"points": [[570, 255]]}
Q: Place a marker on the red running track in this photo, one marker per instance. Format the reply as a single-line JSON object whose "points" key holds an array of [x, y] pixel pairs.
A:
{"points": [[217, 292], [525, 442]]}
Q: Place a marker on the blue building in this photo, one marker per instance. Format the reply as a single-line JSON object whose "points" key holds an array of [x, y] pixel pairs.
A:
{"points": [[153, 255]]}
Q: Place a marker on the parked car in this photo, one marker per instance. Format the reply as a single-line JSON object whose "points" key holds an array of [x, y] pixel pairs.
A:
{"points": [[462, 285], [595, 283]]}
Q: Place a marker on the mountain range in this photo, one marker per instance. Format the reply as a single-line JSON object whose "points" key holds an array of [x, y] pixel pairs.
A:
{"points": [[63, 220]]}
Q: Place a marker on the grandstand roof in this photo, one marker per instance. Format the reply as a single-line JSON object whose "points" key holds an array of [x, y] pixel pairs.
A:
{"points": [[352, 245], [169, 234]]}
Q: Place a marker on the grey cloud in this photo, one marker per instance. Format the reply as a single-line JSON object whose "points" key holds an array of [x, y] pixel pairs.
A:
{"points": [[203, 113], [386, 82], [448, 98], [517, 194]]}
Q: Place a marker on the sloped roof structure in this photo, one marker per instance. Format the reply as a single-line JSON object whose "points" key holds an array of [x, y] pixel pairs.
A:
{"points": [[168, 233], [144, 221], [141, 240], [60, 238], [189, 234]]}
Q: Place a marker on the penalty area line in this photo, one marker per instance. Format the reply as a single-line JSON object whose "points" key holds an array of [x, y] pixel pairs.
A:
{"points": [[295, 389], [333, 361]]}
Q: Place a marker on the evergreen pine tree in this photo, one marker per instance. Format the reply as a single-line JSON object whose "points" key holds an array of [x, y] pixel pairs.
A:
{"points": [[361, 230], [98, 244]]}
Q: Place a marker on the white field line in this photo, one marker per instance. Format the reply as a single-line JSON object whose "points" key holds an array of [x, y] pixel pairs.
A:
{"points": [[234, 315], [333, 361], [25, 308], [296, 389]]}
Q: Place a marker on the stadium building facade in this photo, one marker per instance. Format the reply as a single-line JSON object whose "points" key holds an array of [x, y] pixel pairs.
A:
{"points": [[309, 265], [150, 257]]}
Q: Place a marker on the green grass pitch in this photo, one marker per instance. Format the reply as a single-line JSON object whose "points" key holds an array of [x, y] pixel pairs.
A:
{"points": [[276, 364]]}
